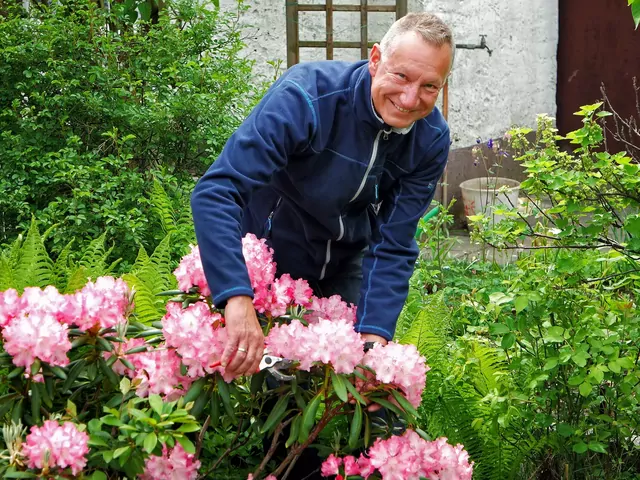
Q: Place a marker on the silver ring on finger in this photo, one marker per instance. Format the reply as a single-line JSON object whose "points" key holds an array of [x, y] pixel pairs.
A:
{"points": [[241, 349]]}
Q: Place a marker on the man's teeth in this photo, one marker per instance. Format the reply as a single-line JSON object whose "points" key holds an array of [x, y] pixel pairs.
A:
{"points": [[403, 110]]}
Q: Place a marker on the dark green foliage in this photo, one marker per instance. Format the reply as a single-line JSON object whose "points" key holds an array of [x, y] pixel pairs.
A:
{"points": [[94, 108]]}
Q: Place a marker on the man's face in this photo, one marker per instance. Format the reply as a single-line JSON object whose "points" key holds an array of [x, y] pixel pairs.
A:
{"points": [[407, 80]]}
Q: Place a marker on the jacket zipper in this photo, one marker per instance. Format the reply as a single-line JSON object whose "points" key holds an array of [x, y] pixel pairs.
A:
{"points": [[270, 217], [372, 161]]}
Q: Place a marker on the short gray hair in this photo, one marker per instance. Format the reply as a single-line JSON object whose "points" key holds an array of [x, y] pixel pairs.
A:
{"points": [[429, 26]]}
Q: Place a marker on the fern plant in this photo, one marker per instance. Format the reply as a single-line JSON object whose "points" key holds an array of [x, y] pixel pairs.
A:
{"points": [[27, 263], [466, 398], [150, 276]]}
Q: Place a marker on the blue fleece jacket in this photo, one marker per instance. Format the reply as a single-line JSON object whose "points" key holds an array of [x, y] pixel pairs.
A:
{"points": [[315, 169]]}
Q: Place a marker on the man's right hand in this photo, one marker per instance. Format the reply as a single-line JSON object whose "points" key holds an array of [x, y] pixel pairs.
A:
{"points": [[245, 343]]}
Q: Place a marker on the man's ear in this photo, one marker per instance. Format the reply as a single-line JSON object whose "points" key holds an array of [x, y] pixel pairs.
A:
{"points": [[374, 59]]}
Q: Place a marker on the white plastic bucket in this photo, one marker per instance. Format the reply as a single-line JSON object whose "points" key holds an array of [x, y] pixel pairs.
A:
{"points": [[479, 194]]}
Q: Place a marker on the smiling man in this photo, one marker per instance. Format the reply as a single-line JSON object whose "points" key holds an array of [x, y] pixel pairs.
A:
{"points": [[335, 166]]}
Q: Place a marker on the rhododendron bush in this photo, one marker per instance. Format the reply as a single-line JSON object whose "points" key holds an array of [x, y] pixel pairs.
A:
{"points": [[94, 393]]}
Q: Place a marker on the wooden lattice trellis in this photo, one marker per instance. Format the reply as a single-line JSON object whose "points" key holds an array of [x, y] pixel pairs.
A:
{"points": [[294, 44]]}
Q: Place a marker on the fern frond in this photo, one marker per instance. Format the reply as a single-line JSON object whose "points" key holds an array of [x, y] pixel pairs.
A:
{"points": [[77, 279], [162, 207], [34, 267], [6, 274], [150, 276], [61, 267], [141, 260]]}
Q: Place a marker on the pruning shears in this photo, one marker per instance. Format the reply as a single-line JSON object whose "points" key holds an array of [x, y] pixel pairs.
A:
{"points": [[274, 365]]}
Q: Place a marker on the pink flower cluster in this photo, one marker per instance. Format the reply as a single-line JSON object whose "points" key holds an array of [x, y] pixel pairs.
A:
{"points": [[54, 445], [332, 308], [270, 477], [326, 341], [105, 303], [174, 465], [400, 365], [158, 372], [407, 457], [352, 466], [35, 325], [190, 273], [271, 296], [196, 335]]}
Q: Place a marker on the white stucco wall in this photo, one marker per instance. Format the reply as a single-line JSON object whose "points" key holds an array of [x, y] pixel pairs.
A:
{"points": [[487, 94]]}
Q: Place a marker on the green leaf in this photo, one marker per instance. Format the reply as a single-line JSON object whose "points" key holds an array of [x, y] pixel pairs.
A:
{"points": [[195, 390], [597, 447], [98, 475], [339, 387], [551, 363], [521, 303], [294, 432], [498, 329], [580, 447], [635, 12], [565, 430], [277, 414], [223, 391], [508, 340], [187, 444], [404, 403], [19, 475], [189, 428], [97, 441], [354, 393], [356, 427], [309, 418], [585, 389], [120, 451], [500, 298], [580, 358], [150, 442], [156, 403], [555, 334]]}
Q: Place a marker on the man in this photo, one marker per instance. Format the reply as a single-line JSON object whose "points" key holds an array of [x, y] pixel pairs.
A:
{"points": [[335, 166]]}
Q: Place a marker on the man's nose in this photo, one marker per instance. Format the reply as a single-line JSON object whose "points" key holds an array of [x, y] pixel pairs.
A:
{"points": [[410, 97]]}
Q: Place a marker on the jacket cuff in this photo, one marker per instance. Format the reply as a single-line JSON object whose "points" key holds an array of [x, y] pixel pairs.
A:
{"points": [[220, 299]]}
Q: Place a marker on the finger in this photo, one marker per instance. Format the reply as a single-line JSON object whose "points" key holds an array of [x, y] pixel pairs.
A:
{"points": [[229, 349], [238, 359], [253, 357]]}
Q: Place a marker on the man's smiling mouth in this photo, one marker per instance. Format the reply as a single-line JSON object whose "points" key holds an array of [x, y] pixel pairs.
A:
{"points": [[403, 110]]}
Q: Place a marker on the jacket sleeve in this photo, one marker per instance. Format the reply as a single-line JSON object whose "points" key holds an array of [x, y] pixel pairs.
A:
{"points": [[390, 260], [284, 122]]}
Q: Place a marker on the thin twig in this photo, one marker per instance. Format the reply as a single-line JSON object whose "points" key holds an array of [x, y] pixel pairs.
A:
{"points": [[201, 435], [272, 448]]}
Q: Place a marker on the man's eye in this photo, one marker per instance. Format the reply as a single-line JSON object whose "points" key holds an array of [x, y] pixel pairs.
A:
{"points": [[401, 75], [431, 86]]}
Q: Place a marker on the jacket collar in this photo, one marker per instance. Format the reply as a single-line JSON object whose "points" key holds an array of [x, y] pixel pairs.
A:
{"points": [[363, 102]]}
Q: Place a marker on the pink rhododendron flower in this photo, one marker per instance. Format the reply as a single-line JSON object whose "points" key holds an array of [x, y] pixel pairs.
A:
{"points": [[332, 308], [270, 477], [174, 465], [104, 302], [54, 445], [410, 457], [159, 373], [351, 466], [331, 466], [285, 291], [10, 306], [328, 342], [36, 335], [262, 270], [192, 333], [190, 273], [400, 365], [120, 350]]}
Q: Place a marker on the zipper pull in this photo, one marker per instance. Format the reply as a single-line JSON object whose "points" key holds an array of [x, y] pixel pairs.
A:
{"points": [[376, 193], [386, 134]]}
